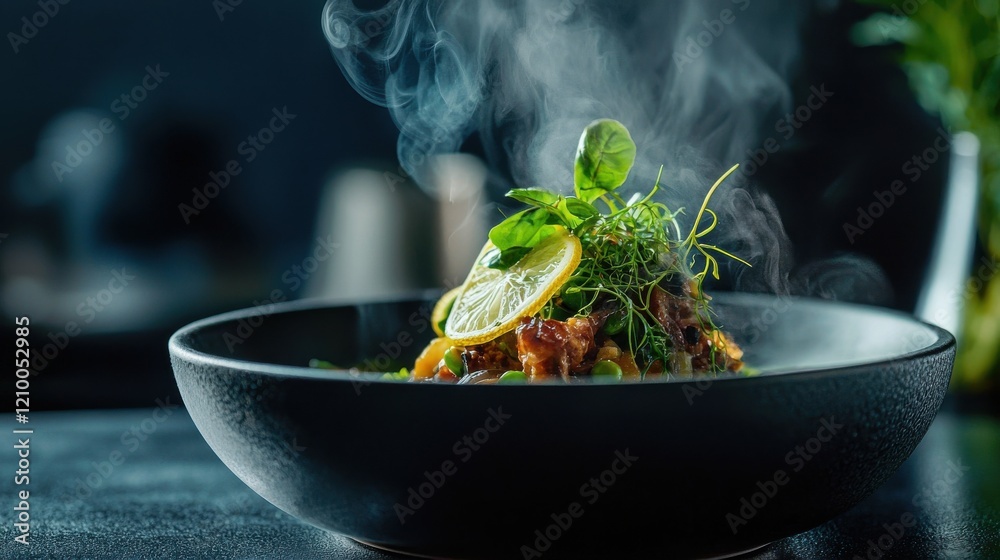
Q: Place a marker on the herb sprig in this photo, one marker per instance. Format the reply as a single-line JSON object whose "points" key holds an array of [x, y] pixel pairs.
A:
{"points": [[629, 250]]}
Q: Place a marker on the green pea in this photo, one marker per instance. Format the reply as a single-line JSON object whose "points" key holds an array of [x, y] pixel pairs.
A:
{"points": [[513, 377], [401, 375], [606, 371], [453, 359]]}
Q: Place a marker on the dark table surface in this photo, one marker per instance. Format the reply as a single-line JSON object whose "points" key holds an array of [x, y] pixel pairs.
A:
{"points": [[144, 484]]}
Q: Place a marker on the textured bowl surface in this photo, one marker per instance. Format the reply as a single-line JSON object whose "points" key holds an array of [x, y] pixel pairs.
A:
{"points": [[666, 469]]}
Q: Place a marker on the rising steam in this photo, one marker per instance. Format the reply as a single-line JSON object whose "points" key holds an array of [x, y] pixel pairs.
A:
{"points": [[696, 82]]}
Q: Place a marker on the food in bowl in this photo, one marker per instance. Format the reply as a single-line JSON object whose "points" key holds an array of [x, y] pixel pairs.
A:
{"points": [[585, 287]]}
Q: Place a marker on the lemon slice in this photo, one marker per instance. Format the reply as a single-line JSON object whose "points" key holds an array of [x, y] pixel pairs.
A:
{"points": [[442, 309], [492, 301]]}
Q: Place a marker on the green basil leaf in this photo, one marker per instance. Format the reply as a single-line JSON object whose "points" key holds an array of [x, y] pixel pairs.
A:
{"points": [[603, 159], [535, 196], [508, 257], [518, 234], [518, 229], [585, 225], [579, 208], [503, 260], [563, 211]]}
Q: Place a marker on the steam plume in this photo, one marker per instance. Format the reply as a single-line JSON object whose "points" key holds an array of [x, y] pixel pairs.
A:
{"points": [[696, 82]]}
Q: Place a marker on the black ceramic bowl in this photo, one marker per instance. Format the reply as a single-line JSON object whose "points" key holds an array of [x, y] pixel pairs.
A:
{"points": [[665, 469]]}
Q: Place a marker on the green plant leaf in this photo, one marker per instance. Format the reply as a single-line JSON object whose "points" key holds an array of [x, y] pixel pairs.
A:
{"points": [[518, 229], [517, 235], [535, 196], [566, 211], [578, 208], [603, 159], [502, 260]]}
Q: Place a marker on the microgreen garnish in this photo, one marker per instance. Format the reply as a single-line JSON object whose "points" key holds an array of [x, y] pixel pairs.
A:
{"points": [[632, 248]]}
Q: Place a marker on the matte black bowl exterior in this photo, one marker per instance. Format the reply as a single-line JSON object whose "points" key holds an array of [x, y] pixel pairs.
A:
{"points": [[669, 469]]}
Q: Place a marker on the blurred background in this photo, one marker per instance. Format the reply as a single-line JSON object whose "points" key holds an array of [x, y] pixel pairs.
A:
{"points": [[951, 54], [161, 162]]}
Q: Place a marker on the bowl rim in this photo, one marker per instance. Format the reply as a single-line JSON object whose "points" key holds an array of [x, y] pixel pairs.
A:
{"points": [[178, 348]]}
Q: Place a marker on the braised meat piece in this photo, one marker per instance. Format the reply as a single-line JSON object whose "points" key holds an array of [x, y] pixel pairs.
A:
{"points": [[497, 354], [549, 348], [675, 314], [695, 345]]}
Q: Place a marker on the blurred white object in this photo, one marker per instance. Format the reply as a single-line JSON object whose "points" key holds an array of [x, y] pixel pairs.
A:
{"points": [[460, 188], [392, 237], [77, 159], [944, 292], [362, 215]]}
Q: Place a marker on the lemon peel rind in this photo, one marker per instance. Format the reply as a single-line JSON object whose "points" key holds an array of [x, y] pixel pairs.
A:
{"points": [[559, 242], [439, 308]]}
